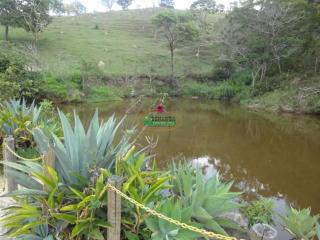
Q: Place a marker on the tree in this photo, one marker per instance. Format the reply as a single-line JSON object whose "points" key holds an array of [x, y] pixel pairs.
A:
{"points": [[109, 3], [220, 8], [36, 15], [76, 8], [9, 15], [167, 3], [201, 9], [124, 4], [176, 28]]}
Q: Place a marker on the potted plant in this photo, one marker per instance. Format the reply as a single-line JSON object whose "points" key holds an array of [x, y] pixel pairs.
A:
{"points": [[259, 214], [300, 224]]}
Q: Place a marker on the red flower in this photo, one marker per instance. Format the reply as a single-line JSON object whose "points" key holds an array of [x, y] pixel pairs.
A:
{"points": [[160, 108]]}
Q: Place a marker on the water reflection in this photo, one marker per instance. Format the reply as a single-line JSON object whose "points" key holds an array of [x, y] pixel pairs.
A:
{"points": [[264, 153]]}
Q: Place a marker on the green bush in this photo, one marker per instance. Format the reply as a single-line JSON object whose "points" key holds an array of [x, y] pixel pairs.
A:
{"points": [[223, 70], [18, 78], [242, 77], [53, 89], [313, 105]]}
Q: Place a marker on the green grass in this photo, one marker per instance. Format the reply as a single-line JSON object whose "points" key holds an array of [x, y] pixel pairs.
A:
{"points": [[125, 42]]}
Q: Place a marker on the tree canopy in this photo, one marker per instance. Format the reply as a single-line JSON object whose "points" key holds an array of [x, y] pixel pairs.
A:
{"points": [[167, 3], [124, 3], [176, 27]]}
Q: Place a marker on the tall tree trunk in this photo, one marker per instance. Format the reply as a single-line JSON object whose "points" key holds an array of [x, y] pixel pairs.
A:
{"points": [[279, 64], [6, 36], [172, 62]]}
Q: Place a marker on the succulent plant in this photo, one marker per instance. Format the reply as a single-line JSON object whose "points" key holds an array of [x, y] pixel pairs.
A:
{"points": [[209, 199], [17, 118], [81, 152], [300, 223], [79, 155], [163, 230]]}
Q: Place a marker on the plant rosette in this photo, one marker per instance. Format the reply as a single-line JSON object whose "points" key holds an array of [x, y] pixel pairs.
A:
{"points": [[262, 231]]}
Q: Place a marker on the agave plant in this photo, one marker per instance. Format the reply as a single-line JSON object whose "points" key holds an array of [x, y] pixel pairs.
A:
{"points": [[81, 152], [300, 223], [163, 230], [209, 199], [17, 118], [79, 155]]}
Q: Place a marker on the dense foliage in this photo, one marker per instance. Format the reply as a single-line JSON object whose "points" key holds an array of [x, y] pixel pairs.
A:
{"points": [[19, 76], [278, 42]]}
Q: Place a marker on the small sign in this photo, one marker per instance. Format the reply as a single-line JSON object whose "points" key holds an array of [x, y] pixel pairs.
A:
{"points": [[160, 118]]}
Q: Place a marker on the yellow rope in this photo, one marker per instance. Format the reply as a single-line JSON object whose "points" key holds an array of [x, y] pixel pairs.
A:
{"points": [[170, 220], [19, 157]]}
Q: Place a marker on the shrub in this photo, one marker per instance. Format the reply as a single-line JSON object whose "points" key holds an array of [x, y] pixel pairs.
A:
{"points": [[259, 211], [53, 89], [223, 70], [242, 77], [17, 78]]}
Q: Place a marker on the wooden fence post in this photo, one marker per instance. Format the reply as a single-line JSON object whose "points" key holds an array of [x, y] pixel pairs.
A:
{"points": [[114, 209], [48, 161], [11, 185]]}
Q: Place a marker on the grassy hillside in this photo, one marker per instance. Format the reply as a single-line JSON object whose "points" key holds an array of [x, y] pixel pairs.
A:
{"points": [[124, 40]]}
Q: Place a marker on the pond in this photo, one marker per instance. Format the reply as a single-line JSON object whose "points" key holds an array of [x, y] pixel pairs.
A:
{"points": [[265, 154]]}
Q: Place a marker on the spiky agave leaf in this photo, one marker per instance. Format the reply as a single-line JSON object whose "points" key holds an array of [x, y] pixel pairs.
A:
{"points": [[17, 113], [81, 149], [209, 199]]}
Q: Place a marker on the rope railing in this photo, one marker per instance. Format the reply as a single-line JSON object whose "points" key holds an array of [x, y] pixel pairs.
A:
{"points": [[202, 232], [20, 157]]}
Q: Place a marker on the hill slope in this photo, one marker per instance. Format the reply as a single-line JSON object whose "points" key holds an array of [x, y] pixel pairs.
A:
{"points": [[124, 40]]}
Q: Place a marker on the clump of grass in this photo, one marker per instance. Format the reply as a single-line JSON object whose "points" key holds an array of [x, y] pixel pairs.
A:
{"points": [[54, 89], [100, 94], [259, 211]]}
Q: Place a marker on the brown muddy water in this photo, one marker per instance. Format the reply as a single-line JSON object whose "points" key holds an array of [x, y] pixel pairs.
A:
{"points": [[265, 154]]}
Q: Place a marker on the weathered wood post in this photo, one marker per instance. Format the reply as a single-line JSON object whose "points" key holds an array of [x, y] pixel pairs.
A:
{"points": [[48, 161], [8, 156], [114, 209]]}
